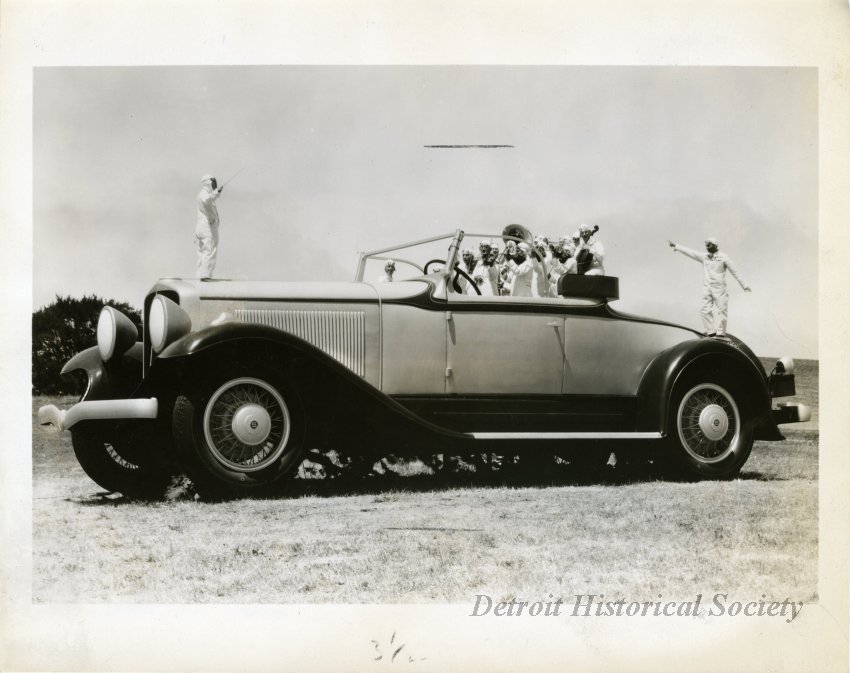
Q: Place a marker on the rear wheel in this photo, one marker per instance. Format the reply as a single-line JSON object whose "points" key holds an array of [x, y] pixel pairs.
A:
{"points": [[240, 432], [709, 435]]}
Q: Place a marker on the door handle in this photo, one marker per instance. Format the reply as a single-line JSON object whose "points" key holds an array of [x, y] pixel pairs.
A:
{"points": [[556, 324]]}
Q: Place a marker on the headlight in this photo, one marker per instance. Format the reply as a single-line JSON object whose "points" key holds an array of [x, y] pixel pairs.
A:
{"points": [[784, 366], [167, 322], [115, 333]]}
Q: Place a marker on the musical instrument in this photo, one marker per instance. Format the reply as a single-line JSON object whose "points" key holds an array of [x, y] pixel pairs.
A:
{"points": [[516, 232], [584, 258], [520, 234]]}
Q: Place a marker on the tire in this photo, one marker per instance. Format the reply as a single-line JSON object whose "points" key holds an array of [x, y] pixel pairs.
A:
{"points": [[241, 432], [120, 466], [709, 435]]}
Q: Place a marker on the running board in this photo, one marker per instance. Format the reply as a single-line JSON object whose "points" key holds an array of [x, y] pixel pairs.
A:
{"points": [[565, 435]]}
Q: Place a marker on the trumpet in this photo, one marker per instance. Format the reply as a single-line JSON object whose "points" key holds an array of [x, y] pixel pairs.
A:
{"points": [[507, 252]]}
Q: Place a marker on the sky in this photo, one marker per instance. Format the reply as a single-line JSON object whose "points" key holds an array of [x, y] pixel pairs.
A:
{"points": [[334, 160]]}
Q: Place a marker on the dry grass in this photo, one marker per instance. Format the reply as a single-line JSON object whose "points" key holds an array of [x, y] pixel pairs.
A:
{"points": [[421, 539]]}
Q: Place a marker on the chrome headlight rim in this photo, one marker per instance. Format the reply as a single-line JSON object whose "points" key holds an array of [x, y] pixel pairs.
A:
{"points": [[157, 324], [106, 334], [167, 322], [116, 333]]}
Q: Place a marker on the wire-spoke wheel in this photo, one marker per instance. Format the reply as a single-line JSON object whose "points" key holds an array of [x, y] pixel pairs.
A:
{"points": [[240, 432], [708, 422], [246, 424], [710, 435]]}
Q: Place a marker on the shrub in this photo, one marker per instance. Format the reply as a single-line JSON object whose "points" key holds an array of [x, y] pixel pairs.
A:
{"points": [[60, 331]]}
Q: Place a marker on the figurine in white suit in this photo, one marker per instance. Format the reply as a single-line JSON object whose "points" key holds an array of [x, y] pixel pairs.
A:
{"points": [[206, 227], [715, 299]]}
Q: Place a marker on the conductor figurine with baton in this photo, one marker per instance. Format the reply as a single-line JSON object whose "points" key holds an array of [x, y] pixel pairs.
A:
{"points": [[206, 225]]}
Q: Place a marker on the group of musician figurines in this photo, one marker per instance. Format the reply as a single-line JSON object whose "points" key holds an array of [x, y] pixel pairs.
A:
{"points": [[529, 266]]}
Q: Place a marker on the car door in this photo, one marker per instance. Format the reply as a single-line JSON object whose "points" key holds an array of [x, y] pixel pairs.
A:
{"points": [[504, 346]]}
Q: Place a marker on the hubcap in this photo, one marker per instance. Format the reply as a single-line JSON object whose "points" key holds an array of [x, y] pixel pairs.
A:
{"points": [[251, 424], [714, 422], [246, 425], [708, 423]]}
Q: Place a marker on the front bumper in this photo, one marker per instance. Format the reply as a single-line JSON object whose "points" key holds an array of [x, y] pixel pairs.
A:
{"points": [[98, 410]]}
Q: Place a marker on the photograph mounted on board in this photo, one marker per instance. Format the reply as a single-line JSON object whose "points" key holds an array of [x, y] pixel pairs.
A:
{"points": [[357, 293]]}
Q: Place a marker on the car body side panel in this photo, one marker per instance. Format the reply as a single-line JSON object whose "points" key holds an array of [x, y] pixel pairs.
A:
{"points": [[607, 356], [493, 353], [413, 350], [427, 353]]}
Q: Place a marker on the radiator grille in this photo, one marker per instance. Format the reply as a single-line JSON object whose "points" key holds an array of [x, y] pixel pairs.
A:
{"points": [[340, 334]]}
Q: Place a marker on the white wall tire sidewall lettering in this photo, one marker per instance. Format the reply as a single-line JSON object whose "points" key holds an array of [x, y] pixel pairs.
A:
{"points": [[120, 467]]}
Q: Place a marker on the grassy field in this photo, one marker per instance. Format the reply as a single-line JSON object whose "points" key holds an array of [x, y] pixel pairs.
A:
{"points": [[422, 538]]}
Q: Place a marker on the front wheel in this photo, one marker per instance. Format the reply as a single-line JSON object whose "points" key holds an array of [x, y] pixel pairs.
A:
{"points": [[240, 432], [709, 435]]}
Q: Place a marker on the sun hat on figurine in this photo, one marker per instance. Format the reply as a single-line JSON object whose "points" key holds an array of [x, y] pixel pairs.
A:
{"points": [[207, 178], [584, 228], [711, 240]]}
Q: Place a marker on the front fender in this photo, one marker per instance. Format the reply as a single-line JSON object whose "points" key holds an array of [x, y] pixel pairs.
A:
{"points": [[338, 400], [660, 378], [118, 379], [216, 335]]}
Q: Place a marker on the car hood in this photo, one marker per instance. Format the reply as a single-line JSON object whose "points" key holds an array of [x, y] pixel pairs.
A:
{"points": [[260, 290]]}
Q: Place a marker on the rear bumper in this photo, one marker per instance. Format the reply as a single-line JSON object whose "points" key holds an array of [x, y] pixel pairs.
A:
{"points": [[791, 413], [98, 410], [781, 383]]}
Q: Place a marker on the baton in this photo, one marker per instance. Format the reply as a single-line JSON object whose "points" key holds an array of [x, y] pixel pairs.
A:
{"points": [[233, 176]]}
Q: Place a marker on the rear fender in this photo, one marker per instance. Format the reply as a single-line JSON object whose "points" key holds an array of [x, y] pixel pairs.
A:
{"points": [[710, 356]]}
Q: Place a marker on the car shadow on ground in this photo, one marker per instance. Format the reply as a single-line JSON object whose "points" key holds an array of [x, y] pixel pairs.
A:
{"points": [[566, 477], [386, 479]]}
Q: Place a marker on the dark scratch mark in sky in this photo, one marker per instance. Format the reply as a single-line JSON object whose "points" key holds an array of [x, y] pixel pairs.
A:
{"points": [[465, 147]]}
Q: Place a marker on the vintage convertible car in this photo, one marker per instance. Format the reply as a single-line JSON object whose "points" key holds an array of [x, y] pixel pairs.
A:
{"points": [[235, 380]]}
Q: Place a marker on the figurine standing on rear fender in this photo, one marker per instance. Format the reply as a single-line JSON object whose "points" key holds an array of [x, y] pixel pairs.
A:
{"points": [[715, 299]]}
